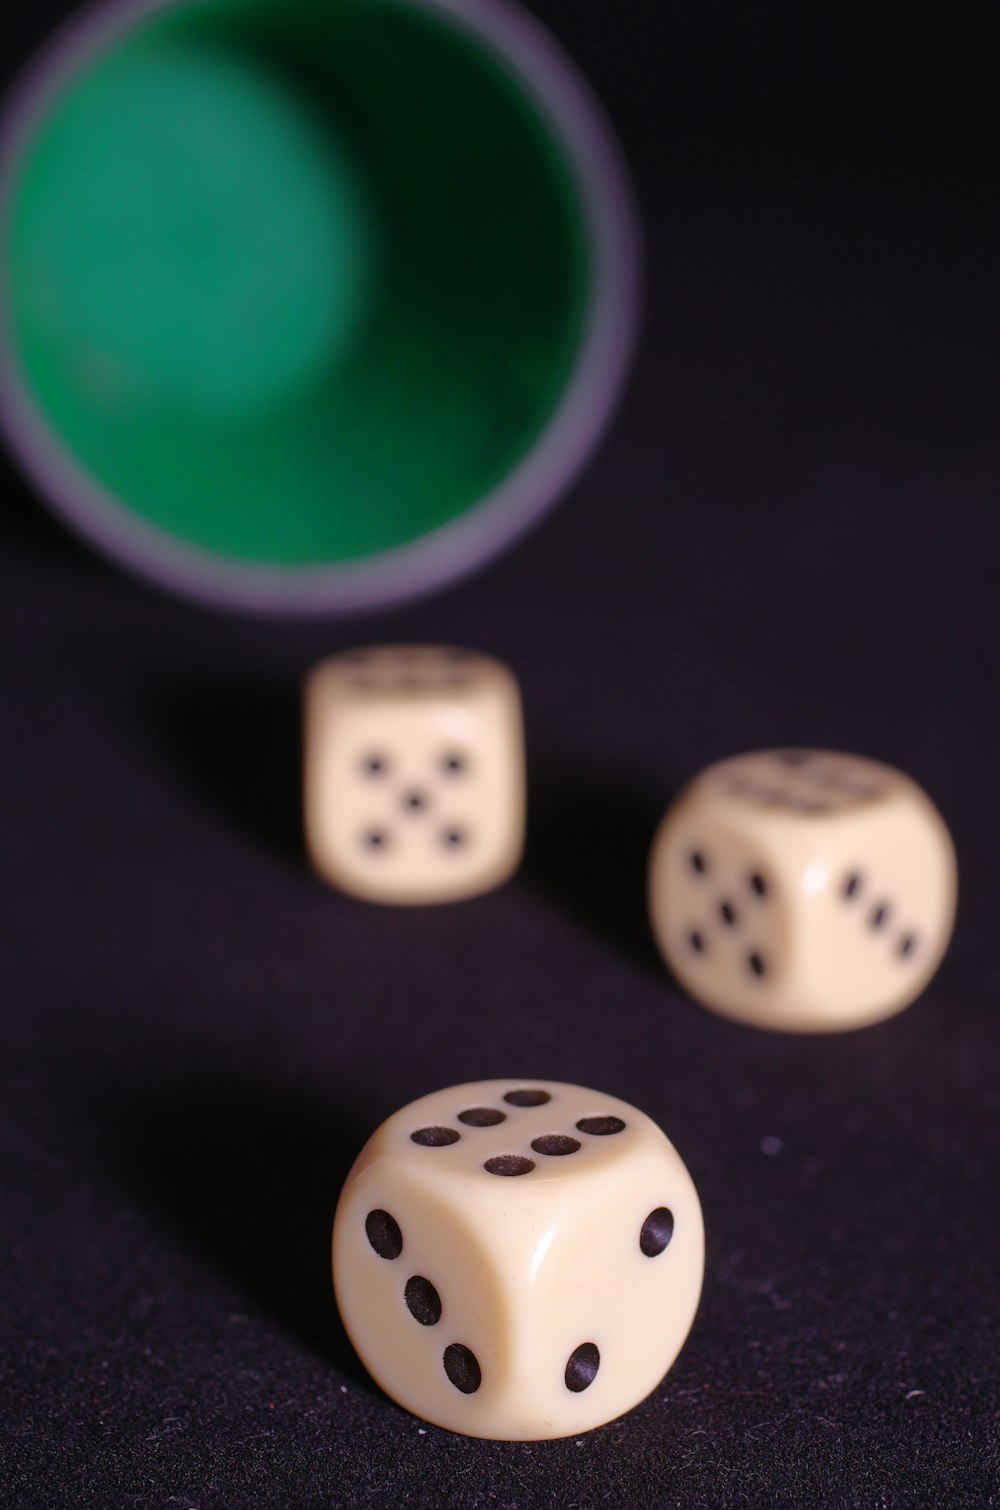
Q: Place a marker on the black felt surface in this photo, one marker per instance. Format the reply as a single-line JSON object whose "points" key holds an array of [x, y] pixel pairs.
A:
{"points": [[791, 537]]}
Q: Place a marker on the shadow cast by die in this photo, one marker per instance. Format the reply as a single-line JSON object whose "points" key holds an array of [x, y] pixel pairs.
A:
{"points": [[253, 1180], [240, 745], [588, 848]]}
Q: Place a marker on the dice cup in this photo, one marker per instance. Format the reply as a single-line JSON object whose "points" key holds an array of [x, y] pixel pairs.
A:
{"points": [[308, 305]]}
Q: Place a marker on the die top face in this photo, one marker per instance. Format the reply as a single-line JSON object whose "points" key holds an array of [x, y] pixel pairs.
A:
{"points": [[857, 872], [518, 1259], [414, 773], [802, 784], [537, 1132], [408, 671]]}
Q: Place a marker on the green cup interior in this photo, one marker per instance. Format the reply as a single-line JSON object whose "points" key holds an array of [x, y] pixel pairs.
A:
{"points": [[294, 281]]}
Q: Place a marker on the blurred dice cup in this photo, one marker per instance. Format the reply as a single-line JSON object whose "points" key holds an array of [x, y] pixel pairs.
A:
{"points": [[308, 307]]}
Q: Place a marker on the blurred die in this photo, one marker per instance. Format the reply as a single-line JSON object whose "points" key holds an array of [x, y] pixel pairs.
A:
{"points": [[801, 889], [414, 773]]}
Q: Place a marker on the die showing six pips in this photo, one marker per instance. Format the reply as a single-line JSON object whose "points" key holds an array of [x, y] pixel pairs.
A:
{"points": [[518, 1259]]}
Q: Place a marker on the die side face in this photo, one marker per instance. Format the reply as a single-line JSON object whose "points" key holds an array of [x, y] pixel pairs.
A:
{"points": [[562, 1238], [881, 911], [723, 911], [419, 1298], [859, 863], [414, 776]]}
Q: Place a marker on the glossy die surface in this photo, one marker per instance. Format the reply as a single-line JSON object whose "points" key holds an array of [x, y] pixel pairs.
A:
{"points": [[414, 773], [803, 889], [518, 1259]]}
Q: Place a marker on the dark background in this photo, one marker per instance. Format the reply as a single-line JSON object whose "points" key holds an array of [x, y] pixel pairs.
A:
{"points": [[790, 537]]}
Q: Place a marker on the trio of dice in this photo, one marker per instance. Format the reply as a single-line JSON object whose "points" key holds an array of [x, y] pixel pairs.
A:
{"points": [[523, 1259]]}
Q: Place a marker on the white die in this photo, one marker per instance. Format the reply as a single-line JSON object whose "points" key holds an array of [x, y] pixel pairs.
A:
{"points": [[803, 889], [414, 773], [518, 1259]]}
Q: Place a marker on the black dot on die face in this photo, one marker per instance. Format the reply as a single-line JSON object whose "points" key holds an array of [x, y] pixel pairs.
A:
{"points": [[482, 1116], [462, 1367], [657, 1230], [454, 838], [581, 1370], [907, 945], [810, 805], [600, 1127], [758, 885], [880, 915], [555, 1145], [422, 1300], [454, 764], [375, 765], [509, 1164], [698, 863], [696, 941], [851, 886], [434, 1137], [527, 1097], [727, 913], [376, 841], [414, 802], [756, 965], [382, 1231]]}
